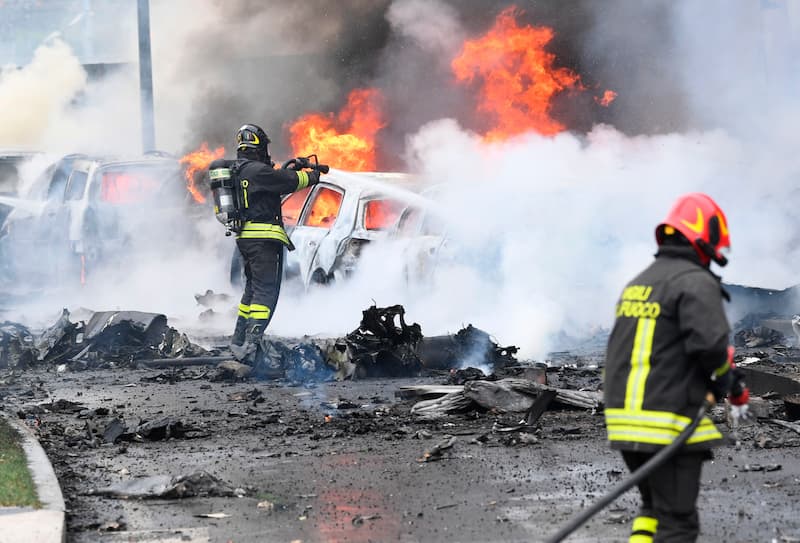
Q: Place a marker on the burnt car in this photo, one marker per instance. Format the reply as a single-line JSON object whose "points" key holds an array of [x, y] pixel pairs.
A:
{"points": [[83, 210], [331, 223], [427, 240]]}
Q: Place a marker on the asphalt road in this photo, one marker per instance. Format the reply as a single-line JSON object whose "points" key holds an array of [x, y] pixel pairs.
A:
{"points": [[358, 476]]}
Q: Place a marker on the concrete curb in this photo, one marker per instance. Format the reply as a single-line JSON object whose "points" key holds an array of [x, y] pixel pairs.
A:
{"points": [[45, 525]]}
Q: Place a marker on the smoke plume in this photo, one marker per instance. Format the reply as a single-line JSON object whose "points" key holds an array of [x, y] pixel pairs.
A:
{"points": [[548, 228]]}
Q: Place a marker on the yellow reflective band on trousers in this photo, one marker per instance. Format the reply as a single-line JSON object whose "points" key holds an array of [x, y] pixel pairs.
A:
{"points": [[244, 311], [258, 230], [645, 524], [260, 312], [640, 363], [655, 427], [302, 180], [640, 538]]}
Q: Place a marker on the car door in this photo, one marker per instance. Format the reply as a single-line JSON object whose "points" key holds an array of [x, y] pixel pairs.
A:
{"points": [[318, 217]]}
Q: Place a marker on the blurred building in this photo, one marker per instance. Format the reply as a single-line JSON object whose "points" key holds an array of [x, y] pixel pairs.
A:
{"points": [[100, 32]]}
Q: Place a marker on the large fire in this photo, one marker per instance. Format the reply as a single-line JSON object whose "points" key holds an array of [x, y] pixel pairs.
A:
{"points": [[195, 162], [345, 140], [516, 76]]}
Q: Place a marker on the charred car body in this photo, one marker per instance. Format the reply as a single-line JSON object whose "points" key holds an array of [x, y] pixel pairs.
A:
{"points": [[84, 209], [330, 223]]}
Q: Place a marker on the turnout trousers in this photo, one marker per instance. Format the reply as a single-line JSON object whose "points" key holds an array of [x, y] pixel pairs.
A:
{"points": [[669, 495], [263, 269]]}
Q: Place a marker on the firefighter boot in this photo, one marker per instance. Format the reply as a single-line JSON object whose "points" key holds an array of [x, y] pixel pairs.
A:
{"points": [[238, 333], [252, 342]]}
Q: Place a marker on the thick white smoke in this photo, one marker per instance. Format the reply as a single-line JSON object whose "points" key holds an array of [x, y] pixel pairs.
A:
{"points": [[553, 226], [564, 222], [33, 99]]}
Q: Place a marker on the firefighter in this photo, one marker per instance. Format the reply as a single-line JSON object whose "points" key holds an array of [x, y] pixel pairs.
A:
{"points": [[668, 348], [262, 238]]}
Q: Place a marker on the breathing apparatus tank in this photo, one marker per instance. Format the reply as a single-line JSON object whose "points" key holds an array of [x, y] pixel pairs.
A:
{"points": [[222, 179]]}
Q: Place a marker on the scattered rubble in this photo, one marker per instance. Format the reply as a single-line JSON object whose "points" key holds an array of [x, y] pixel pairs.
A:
{"points": [[108, 338], [170, 487], [506, 395]]}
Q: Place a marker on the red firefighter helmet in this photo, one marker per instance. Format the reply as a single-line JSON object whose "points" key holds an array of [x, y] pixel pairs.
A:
{"points": [[702, 222]]}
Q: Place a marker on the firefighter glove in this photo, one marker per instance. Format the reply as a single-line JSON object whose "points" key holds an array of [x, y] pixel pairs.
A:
{"points": [[721, 385], [739, 396]]}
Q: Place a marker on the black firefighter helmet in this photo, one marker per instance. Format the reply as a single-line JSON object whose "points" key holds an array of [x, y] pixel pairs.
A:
{"points": [[251, 138]]}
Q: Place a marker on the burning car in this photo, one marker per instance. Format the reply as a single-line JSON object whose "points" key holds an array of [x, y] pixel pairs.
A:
{"points": [[330, 223], [84, 209]]}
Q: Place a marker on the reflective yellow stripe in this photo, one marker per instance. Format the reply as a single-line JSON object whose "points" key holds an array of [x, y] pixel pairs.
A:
{"points": [[244, 311], [256, 230], [302, 180], [645, 524], [258, 311], [655, 427], [245, 184], [640, 538], [722, 370], [640, 363]]}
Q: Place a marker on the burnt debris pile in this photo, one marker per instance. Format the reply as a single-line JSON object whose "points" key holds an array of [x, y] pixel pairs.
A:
{"points": [[385, 345], [108, 338]]}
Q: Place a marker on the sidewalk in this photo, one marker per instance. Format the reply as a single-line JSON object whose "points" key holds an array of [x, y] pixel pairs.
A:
{"points": [[27, 525]]}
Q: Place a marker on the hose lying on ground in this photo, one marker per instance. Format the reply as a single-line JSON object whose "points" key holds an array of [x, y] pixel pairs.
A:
{"points": [[645, 470]]}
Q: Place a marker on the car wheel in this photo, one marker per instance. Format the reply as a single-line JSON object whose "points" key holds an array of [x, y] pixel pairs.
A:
{"points": [[320, 278]]}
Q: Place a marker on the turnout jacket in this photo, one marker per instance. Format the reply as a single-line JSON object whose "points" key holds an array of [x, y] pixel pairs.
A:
{"points": [[260, 188], [669, 338]]}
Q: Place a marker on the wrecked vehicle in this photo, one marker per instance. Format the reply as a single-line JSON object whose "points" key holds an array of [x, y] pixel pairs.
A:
{"points": [[427, 241], [330, 223], [84, 210]]}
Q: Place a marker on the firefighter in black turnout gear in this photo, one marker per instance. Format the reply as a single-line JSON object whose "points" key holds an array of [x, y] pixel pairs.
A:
{"points": [[668, 348], [259, 231]]}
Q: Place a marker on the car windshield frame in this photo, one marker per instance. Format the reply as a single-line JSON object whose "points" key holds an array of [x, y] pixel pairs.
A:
{"points": [[308, 212], [164, 173]]}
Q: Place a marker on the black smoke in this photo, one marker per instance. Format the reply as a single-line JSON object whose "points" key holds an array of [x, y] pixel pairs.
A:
{"points": [[271, 62]]}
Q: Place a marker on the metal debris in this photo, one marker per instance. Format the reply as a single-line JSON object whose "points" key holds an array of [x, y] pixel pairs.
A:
{"points": [[199, 483], [435, 453]]}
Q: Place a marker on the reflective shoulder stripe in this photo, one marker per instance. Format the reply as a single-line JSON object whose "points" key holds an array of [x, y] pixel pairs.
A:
{"points": [[302, 180]]}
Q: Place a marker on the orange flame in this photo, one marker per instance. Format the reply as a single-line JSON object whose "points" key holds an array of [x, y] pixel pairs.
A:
{"points": [[325, 208], [198, 161], [608, 97], [345, 140], [381, 214], [517, 77]]}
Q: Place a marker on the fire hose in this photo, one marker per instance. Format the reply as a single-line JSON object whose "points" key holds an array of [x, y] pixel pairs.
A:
{"points": [[646, 469]]}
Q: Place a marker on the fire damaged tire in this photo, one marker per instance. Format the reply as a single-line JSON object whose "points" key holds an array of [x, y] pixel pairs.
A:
{"points": [[321, 279]]}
